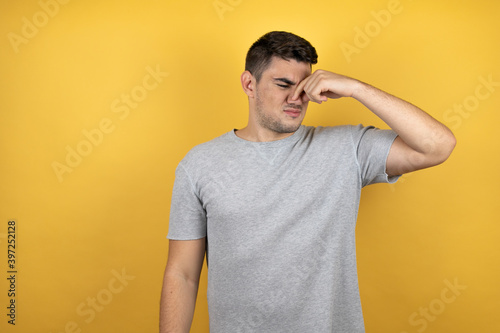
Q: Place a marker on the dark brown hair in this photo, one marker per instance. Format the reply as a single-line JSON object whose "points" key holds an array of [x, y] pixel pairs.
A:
{"points": [[278, 44]]}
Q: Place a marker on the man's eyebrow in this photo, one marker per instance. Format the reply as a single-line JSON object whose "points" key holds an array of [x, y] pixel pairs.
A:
{"points": [[284, 80]]}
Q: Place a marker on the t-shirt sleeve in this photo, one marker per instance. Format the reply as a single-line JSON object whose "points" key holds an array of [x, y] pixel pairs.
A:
{"points": [[372, 148], [187, 216]]}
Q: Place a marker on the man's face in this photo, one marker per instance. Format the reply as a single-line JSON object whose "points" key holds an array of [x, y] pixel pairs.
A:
{"points": [[274, 109]]}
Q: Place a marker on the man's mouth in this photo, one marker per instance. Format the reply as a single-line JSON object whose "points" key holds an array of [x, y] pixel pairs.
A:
{"points": [[294, 113]]}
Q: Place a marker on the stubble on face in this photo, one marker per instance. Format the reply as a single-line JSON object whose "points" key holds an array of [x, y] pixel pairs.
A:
{"points": [[267, 121]]}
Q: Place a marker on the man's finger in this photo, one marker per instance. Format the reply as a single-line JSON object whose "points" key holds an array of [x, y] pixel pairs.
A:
{"points": [[300, 88]]}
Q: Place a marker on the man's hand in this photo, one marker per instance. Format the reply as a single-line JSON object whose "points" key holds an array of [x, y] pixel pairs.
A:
{"points": [[322, 85]]}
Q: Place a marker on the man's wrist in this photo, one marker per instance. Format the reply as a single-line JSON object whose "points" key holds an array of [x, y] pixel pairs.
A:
{"points": [[359, 89]]}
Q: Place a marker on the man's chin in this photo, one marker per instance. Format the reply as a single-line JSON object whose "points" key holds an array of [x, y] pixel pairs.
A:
{"points": [[288, 128]]}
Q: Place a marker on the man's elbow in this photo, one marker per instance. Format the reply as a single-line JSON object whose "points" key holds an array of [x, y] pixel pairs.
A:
{"points": [[445, 146]]}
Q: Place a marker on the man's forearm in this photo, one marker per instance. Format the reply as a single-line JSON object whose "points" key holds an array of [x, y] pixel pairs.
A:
{"points": [[178, 299], [415, 127]]}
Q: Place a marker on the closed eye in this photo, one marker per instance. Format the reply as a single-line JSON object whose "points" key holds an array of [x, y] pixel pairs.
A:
{"points": [[283, 86]]}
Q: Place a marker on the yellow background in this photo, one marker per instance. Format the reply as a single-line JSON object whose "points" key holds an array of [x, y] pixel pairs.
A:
{"points": [[110, 214]]}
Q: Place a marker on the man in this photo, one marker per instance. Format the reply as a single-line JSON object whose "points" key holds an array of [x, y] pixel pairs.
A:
{"points": [[274, 204]]}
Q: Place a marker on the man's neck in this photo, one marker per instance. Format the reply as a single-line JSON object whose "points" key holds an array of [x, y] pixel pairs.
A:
{"points": [[261, 135]]}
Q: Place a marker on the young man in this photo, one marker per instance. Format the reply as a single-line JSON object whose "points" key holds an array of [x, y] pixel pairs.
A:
{"points": [[274, 204]]}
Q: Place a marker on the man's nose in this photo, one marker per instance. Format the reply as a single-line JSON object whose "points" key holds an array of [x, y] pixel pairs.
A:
{"points": [[303, 98]]}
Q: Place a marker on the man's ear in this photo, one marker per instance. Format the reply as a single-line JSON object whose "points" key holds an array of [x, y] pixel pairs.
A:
{"points": [[248, 83]]}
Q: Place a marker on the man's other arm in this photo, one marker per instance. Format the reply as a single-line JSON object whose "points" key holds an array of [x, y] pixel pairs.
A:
{"points": [[180, 285]]}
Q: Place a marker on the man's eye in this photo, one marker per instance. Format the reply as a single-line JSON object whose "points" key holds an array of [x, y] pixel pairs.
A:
{"points": [[283, 86]]}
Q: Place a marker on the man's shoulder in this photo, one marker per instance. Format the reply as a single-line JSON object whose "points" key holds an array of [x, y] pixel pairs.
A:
{"points": [[208, 150], [327, 132], [339, 130], [343, 136]]}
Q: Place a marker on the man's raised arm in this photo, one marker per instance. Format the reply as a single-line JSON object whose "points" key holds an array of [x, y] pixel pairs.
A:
{"points": [[422, 141]]}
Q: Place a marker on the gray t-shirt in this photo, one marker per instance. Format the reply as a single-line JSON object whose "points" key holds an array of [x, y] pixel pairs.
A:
{"points": [[280, 220]]}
